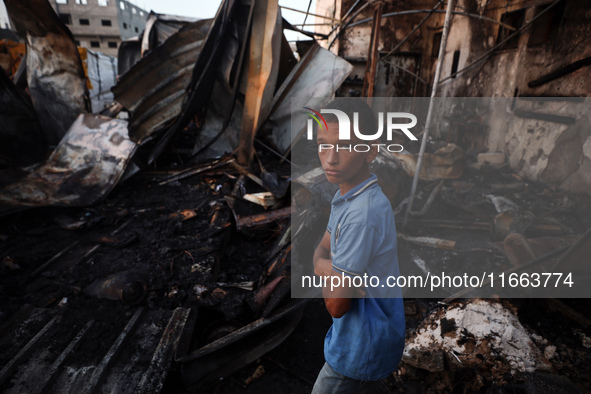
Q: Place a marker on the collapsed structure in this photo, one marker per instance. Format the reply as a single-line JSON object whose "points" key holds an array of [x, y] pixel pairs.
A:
{"points": [[168, 245]]}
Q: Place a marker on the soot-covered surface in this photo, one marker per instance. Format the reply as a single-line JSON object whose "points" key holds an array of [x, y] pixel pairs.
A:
{"points": [[138, 227]]}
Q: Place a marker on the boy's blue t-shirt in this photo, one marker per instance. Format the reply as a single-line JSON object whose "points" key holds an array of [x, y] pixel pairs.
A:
{"points": [[366, 343]]}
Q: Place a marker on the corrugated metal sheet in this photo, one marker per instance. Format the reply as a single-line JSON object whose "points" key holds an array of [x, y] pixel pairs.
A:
{"points": [[154, 89], [204, 72], [137, 361], [159, 27]]}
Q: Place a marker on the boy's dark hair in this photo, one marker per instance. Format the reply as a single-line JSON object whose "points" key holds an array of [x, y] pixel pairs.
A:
{"points": [[349, 105]]}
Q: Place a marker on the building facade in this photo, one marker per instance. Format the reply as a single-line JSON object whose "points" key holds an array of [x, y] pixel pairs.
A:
{"points": [[101, 25], [521, 50]]}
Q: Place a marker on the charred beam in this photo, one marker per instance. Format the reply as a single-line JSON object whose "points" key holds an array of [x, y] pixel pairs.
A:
{"points": [[547, 117], [560, 72]]}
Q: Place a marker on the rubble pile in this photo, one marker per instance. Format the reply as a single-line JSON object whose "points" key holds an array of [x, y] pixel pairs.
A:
{"points": [[474, 345], [481, 335], [187, 251]]}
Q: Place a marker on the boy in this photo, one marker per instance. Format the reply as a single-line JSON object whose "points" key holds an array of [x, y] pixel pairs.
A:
{"points": [[364, 345]]}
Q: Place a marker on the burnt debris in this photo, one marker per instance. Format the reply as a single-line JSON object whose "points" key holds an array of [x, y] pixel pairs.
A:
{"points": [[148, 245]]}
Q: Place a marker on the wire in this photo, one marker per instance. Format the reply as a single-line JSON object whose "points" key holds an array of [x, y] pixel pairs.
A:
{"points": [[307, 13], [412, 31], [410, 12], [344, 25], [302, 12], [475, 62]]}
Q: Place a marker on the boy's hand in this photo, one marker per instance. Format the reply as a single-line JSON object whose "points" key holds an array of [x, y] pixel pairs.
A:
{"points": [[323, 267]]}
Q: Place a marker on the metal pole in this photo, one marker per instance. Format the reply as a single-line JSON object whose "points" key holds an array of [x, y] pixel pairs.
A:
{"points": [[440, 58], [372, 57]]}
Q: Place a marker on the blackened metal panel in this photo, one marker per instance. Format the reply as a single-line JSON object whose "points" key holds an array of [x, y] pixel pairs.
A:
{"points": [[54, 70], [22, 141], [154, 89], [204, 72], [265, 47], [84, 167]]}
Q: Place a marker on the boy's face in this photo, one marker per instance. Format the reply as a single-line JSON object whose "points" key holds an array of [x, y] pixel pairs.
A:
{"points": [[343, 166]]}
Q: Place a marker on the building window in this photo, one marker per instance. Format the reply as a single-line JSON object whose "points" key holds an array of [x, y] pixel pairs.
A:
{"points": [[136, 30], [103, 3], [124, 25], [61, 1], [82, 2], [436, 44], [455, 63], [95, 44], [141, 13], [77, 43], [106, 22], [122, 5], [133, 11], [66, 18], [112, 44], [514, 19], [546, 27], [84, 22]]}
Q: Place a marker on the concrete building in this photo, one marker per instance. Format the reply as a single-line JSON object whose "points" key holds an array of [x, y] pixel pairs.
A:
{"points": [[547, 57], [4, 21], [100, 25]]}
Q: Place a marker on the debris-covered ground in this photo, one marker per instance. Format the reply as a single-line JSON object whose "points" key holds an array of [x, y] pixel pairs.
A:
{"points": [[147, 246], [171, 239]]}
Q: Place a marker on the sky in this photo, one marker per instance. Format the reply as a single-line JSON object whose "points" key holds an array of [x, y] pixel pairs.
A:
{"points": [[204, 9]]}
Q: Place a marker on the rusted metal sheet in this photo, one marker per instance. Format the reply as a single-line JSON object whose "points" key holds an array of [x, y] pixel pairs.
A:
{"points": [[204, 72], [219, 131], [84, 167], [54, 70], [265, 41], [154, 89], [11, 54]]}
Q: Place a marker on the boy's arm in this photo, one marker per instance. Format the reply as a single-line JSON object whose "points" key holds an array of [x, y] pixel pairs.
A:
{"points": [[321, 259], [337, 299]]}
